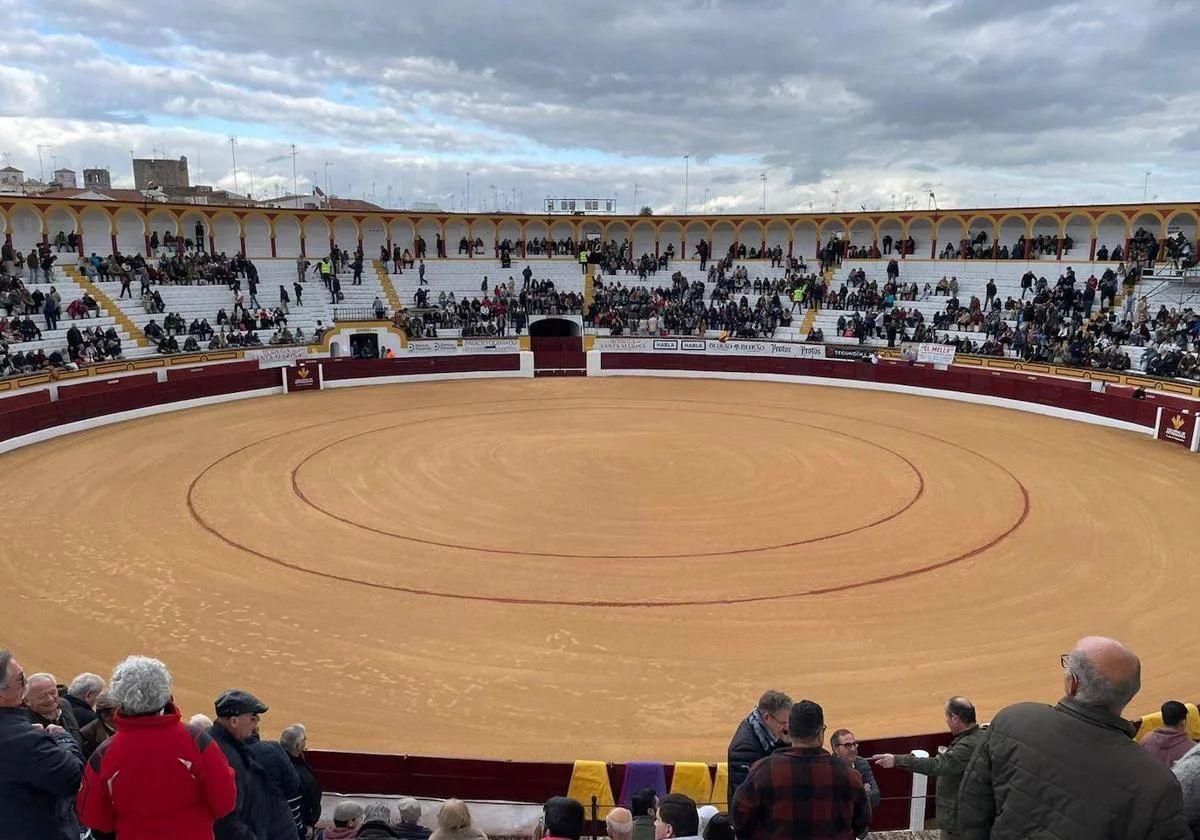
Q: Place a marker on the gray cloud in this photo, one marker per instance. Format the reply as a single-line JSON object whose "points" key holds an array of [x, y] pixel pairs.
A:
{"points": [[870, 99]]}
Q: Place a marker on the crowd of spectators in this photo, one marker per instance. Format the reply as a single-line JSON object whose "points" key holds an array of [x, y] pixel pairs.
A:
{"points": [[116, 758], [722, 303]]}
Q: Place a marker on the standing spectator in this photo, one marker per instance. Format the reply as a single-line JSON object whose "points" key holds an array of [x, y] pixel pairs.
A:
{"points": [[299, 290], [283, 787], [1073, 766], [845, 746], [618, 825], [40, 767], [284, 299], [155, 777], [762, 732], [409, 827], [677, 817], [947, 766], [335, 289], [82, 695], [294, 741], [236, 722], [1171, 742], [801, 791], [644, 806], [46, 708], [454, 823], [1187, 771], [102, 728], [563, 818]]}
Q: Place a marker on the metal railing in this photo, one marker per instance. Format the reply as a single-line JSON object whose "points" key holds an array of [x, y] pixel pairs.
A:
{"points": [[361, 313]]}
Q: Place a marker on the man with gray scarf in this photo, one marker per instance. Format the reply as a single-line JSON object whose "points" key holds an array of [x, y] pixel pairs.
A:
{"points": [[761, 733]]}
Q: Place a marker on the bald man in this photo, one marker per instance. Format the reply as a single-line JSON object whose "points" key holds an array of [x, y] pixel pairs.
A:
{"points": [[619, 824], [1072, 770]]}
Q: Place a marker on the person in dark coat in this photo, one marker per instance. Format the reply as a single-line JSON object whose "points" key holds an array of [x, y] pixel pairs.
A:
{"points": [[40, 768], [377, 823], [409, 826], [294, 741], [47, 707], [761, 733], [236, 721], [283, 786], [102, 728], [1073, 769], [85, 688]]}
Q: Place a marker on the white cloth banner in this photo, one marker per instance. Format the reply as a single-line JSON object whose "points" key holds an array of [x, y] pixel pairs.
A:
{"points": [[935, 354], [286, 353], [451, 347]]}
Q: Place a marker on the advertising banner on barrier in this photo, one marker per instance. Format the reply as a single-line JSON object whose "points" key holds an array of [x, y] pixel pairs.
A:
{"points": [[1177, 427], [711, 346], [453, 346], [848, 353], [303, 376]]}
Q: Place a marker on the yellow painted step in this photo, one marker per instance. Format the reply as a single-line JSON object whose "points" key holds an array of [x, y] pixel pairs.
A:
{"points": [[108, 304], [389, 290]]}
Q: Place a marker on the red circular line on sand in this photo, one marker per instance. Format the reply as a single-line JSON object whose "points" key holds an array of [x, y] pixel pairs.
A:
{"points": [[611, 603], [300, 494]]}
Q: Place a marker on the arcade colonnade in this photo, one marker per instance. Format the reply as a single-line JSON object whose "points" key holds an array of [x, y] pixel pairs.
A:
{"points": [[110, 226]]}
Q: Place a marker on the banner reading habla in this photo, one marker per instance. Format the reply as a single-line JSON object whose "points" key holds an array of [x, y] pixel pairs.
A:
{"points": [[303, 376], [1179, 427]]}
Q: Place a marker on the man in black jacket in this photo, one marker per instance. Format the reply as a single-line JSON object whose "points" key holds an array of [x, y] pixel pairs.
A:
{"points": [[762, 732], [40, 768], [237, 722]]}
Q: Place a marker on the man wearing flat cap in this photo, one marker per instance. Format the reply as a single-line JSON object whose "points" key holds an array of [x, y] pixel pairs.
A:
{"points": [[236, 721]]}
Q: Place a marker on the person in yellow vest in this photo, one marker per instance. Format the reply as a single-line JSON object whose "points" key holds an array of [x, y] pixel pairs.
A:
{"points": [[798, 298], [583, 260]]}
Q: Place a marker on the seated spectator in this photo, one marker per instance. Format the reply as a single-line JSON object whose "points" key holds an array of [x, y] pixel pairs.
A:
{"points": [[1170, 743], [376, 825], [454, 823], [677, 817], [563, 818], [618, 825], [1187, 771], [40, 767], [132, 786], [347, 818], [409, 826]]}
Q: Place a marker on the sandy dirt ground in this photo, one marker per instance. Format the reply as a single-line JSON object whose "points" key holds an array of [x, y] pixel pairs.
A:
{"points": [[612, 568]]}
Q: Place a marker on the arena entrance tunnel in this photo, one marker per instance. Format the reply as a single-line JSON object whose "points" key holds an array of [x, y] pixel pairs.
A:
{"points": [[554, 328]]}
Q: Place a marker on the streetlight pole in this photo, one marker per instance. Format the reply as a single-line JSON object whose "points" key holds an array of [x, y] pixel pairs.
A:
{"points": [[636, 187], [685, 184], [468, 191], [233, 153], [327, 164], [295, 188], [1145, 186], [763, 176]]}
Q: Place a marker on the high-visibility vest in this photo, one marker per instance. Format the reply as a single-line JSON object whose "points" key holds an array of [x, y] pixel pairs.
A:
{"points": [[798, 294], [583, 257]]}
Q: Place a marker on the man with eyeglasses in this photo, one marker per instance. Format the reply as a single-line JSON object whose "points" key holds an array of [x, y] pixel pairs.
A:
{"points": [[761, 733], [845, 747], [237, 722], [948, 765], [40, 767]]}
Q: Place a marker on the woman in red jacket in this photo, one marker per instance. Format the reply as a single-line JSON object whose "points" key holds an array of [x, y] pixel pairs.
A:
{"points": [[155, 777]]}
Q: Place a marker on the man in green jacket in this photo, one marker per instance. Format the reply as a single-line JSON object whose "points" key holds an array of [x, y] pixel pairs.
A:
{"points": [[948, 765], [1072, 771]]}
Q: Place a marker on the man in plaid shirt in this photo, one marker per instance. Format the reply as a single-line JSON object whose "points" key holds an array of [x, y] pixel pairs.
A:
{"points": [[803, 791]]}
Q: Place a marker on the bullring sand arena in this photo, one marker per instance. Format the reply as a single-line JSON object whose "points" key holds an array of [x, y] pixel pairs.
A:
{"points": [[614, 568]]}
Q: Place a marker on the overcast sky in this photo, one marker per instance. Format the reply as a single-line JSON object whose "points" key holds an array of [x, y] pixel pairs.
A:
{"points": [[982, 102]]}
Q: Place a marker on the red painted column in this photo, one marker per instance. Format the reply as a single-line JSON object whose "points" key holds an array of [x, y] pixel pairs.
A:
{"points": [[332, 244], [79, 244], [790, 243], [655, 248], [212, 241], [360, 247], [303, 251], [1060, 244], [995, 248], [1092, 252], [1125, 250], [147, 244], [46, 239], [273, 254], [242, 244], [114, 243], [683, 245], [933, 249]]}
